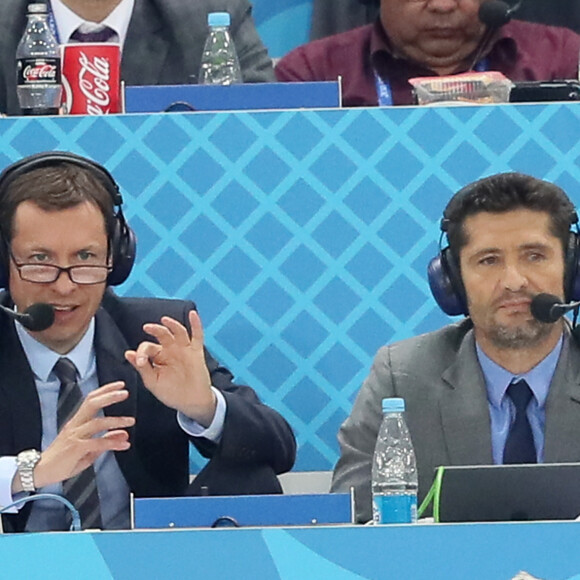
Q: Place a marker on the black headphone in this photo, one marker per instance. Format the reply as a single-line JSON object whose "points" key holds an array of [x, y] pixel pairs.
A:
{"points": [[444, 274], [123, 242]]}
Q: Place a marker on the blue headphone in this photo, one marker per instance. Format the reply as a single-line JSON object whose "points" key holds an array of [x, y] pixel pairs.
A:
{"points": [[123, 241], [444, 273]]}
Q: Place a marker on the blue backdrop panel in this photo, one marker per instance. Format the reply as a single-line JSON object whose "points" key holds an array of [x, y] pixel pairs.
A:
{"points": [[303, 236], [282, 24]]}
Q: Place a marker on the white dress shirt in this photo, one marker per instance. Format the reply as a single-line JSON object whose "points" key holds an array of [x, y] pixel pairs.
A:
{"points": [[68, 21]]}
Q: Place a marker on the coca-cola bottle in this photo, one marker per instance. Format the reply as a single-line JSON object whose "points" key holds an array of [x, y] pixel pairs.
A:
{"points": [[38, 66]]}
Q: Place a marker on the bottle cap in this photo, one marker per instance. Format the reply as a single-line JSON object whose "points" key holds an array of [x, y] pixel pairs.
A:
{"points": [[393, 405], [218, 19], [37, 8]]}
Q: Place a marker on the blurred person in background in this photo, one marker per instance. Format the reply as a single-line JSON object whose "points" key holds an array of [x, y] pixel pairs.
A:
{"points": [[424, 38], [161, 40], [333, 16]]}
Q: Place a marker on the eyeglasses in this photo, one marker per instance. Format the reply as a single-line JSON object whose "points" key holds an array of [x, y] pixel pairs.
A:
{"points": [[48, 273]]}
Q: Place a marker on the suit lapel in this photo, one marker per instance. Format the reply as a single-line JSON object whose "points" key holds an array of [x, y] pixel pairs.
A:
{"points": [[18, 392], [145, 49], [464, 409], [110, 346], [562, 430]]}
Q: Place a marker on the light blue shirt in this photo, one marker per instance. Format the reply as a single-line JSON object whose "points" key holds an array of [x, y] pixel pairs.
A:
{"points": [[112, 487], [110, 481], [501, 407]]}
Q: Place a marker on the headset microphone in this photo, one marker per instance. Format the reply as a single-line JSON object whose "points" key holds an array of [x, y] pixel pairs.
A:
{"points": [[549, 308], [36, 317], [496, 13]]}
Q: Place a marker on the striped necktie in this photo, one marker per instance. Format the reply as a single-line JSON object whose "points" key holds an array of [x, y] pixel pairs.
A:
{"points": [[88, 32], [519, 446], [80, 490]]}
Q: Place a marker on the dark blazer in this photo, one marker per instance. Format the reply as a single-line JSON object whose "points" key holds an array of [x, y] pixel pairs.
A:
{"points": [[256, 442], [163, 46], [439, 376]]}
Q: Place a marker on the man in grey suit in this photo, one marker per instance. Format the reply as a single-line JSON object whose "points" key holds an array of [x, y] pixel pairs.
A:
{"points": [[509, 240], [162, 40]]}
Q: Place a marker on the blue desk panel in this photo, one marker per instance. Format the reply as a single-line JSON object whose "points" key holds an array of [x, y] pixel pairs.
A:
{"points": [[304, 236], [242, 97], [423, 552], [243, 510]]}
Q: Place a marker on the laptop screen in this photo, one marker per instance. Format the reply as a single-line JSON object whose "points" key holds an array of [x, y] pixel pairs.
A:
{"points": [[492, 493]]}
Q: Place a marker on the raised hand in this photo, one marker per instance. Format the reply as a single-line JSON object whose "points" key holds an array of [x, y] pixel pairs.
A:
{"points": [[174, 368], [84, 438]]}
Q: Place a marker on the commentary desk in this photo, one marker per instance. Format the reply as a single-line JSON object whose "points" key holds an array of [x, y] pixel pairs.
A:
{"points": [[546, 550]]}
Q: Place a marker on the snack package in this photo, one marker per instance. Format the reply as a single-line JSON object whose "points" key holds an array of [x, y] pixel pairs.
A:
{"points": [[471, 87]]}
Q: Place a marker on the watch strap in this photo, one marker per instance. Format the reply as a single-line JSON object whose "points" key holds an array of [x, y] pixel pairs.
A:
{"points": [[25, 463]]}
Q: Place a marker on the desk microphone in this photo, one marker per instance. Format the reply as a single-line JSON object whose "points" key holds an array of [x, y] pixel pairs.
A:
{"points": [[549, 308], [36, 317]]}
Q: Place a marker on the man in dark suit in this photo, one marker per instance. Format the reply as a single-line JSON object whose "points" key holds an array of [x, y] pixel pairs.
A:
{"points": [[147, 385], [510, 239], [162, 40]]}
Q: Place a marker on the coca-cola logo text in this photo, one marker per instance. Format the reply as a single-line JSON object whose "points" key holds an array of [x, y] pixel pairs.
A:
{"points": [[40, 72], [91, 81], [94, 83]]}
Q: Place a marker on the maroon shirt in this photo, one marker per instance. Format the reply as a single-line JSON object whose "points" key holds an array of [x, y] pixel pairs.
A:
{"points": [[523, 51]]}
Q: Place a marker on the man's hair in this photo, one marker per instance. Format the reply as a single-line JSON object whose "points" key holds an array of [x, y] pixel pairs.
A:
{"points": [[507, 192], [53, 188]]}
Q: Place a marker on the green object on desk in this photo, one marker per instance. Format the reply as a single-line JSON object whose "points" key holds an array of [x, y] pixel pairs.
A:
{"points": [[434, 496]]}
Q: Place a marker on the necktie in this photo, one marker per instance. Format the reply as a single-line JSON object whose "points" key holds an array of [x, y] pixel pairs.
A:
{"points": [[87, 32], [519, 447], [80, 490]]}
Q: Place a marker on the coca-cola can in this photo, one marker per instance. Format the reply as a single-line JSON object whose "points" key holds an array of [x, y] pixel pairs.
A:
{"points": [[91, 78]]}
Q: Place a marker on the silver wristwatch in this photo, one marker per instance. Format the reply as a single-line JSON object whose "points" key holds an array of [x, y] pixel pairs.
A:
{"points": [[26, 462]]}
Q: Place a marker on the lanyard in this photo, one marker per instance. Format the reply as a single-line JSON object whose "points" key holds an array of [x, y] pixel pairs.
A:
{"points": [[385, 93], [482, 65]]}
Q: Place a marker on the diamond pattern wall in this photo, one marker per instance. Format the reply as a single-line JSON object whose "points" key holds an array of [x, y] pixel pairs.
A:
{"points": [[303, 236]]}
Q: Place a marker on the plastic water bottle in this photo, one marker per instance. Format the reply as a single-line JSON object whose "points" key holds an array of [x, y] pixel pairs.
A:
{"points": [[38, 66], [394, 472], [219, 61]]}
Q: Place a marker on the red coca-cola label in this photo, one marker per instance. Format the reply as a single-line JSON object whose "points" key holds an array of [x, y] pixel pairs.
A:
{"points": [[92, 78], [38, 71]]}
